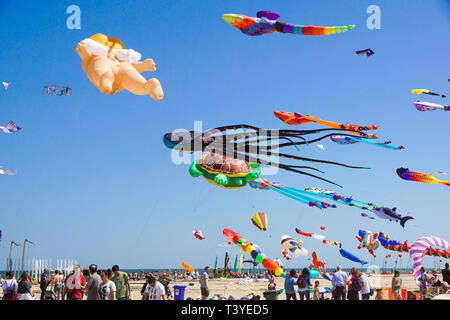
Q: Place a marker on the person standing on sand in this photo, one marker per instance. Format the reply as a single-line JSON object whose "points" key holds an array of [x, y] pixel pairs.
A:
{"points": [[289, 286], [122, 283], [423, 283], [57, 284], [338, 282], [24, 288], [366, 287], [396, 286], [354, 284], [204, 284], [74, 285], [93, 283], [271, 277], [155, 290], [304, 284], [43, 284], [446, 273], [10, 286], [106, 289]]}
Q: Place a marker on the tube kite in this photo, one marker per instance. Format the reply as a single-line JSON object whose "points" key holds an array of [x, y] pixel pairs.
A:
{"points": [[426, 91], [298, 119], [367, 52], [351, 257], [7, 172], [266, 22], [58, 90], [259, 220], [351, 140], [405, 174], [10, 127], [417, 252], [256, 254], [198, 234], [429, 106], [311, 235]]}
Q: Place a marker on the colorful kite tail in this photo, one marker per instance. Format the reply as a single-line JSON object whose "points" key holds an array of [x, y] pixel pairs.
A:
{"points": [[445, 183], [313, 30]]}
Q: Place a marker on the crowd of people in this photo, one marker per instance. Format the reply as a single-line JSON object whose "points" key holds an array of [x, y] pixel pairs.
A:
{"points": [[113, 284]]}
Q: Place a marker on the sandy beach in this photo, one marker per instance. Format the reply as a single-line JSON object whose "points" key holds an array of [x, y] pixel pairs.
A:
{"points": [[238, 289]]}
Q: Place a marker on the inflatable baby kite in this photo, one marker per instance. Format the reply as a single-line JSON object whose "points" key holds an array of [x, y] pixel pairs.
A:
{"points": [[112, 68]]}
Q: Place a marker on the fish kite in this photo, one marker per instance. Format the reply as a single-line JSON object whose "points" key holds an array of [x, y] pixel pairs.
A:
{"points": [[391, 215], [266, 22], [7, 172], [429, 106], [298, 119], [58, 90], [351, 257], [426, 91], [351, 140], [405, 174], [5, 84], [198, 234], [10, 127], [367, 52]]}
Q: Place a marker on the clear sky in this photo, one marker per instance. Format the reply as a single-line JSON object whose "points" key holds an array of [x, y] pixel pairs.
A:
{"points": [[95, 182]]}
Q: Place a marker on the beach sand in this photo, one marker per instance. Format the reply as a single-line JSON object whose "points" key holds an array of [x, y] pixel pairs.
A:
{"points": [[233, 287]]}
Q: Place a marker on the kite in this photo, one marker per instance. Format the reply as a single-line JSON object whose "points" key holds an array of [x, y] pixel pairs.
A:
{"points": [[10, 127], [426, 91], [58, 90], [259, 219], [332, 243], [297, 119], [236, 238], [367, 52], [351, 140], [187, 267], [307, 197], [285, 254], [198, 234], [6, 84], [112, 68], [319, 190], [405, 174], [278, 262], [391, 215], [363, 214], [266, 22], [351, 257], [313, 235], [368, 240], [7, 172], [403, 247], [320, 265], [251, 145], [417, 252], [288, 243], [223, 171], [320, 146], [322, 228], [429, 106]]}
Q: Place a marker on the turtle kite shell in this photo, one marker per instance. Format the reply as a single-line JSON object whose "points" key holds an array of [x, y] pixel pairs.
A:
{"points": [[216, 163]]}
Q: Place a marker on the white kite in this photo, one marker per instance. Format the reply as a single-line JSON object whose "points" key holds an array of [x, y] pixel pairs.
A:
{"points": [[6, 84]]}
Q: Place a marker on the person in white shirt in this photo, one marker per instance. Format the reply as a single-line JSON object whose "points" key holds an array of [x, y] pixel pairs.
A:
{"points": [[154, 290], [366, 287]]}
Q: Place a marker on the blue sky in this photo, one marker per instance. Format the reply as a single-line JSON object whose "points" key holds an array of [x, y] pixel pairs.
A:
{"points": [[95, 182]]}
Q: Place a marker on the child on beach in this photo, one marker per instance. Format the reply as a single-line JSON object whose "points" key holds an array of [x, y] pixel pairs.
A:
{"points": [[316, 290], [378, 296], [397, 285]]}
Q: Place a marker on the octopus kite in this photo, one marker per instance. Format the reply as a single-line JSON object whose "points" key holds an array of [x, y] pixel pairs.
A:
{"points": [[251, 146], [405, 174], [266, 22]]}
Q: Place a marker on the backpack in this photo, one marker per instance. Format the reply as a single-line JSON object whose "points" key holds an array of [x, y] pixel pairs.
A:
{"points": [[356, 284], [301, 283]]}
